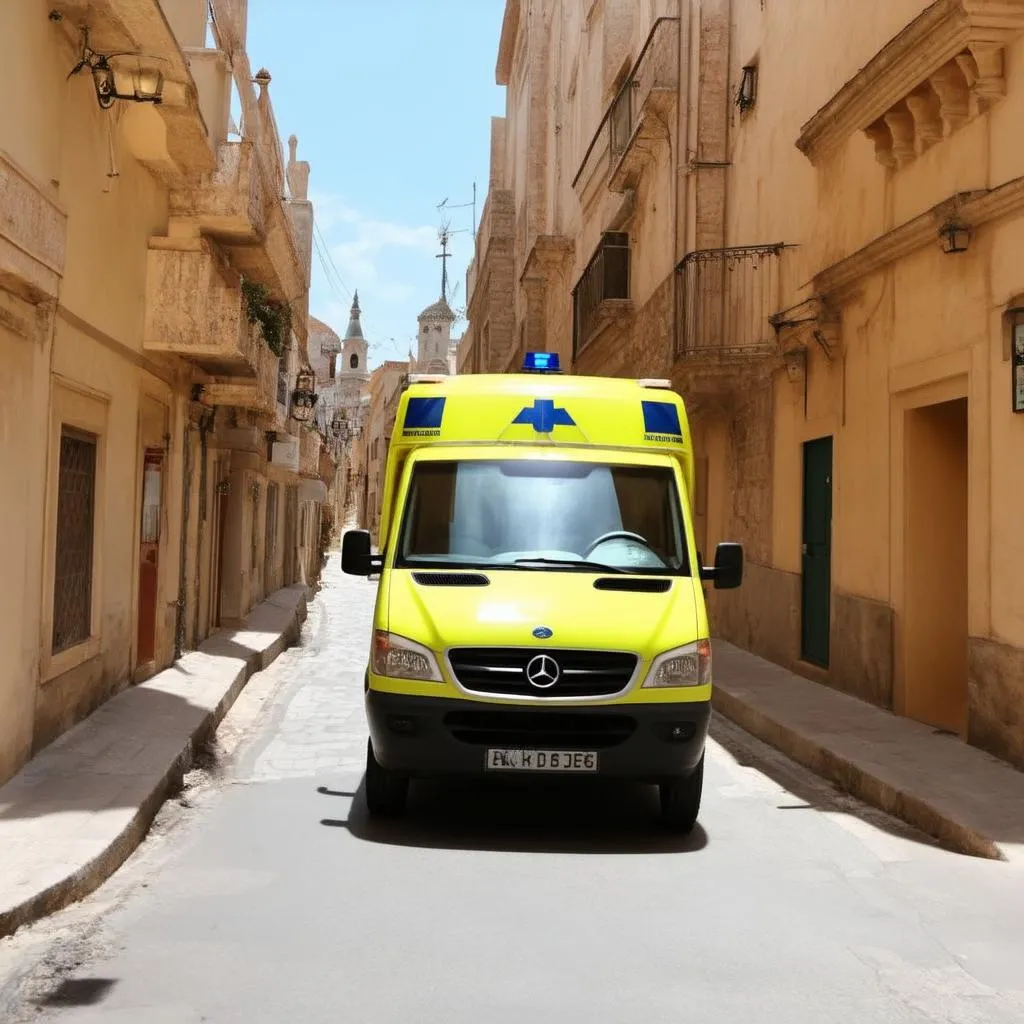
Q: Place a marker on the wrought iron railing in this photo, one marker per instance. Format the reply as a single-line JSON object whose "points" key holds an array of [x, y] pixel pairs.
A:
{"points": [[606, 277], [656, 62], [725, 299], [657, 67]]}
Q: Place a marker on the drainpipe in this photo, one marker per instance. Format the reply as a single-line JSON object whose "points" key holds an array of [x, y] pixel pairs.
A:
{"points": [[205, 426], [682, 179], [186, 478]]}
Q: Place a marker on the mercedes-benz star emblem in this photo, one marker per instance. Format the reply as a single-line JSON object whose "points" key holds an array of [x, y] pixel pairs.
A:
{"points": [[542, 671]]}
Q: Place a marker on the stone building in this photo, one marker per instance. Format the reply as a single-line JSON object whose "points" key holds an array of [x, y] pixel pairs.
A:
{"points": [[153, 294], [810, 220], [342, 379]]}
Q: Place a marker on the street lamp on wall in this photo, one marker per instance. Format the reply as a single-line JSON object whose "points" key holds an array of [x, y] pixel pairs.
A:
{"points": [[137, 85], [955, 236], [304, 397], [1017, 357]]}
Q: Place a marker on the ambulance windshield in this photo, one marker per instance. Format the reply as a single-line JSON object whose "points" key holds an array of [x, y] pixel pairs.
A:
{"points": [[523, 514]]}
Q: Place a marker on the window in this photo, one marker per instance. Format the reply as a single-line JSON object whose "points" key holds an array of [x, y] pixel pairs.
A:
{"points": [[493, 513], [353, 361], [76, 514], [332, 365]]}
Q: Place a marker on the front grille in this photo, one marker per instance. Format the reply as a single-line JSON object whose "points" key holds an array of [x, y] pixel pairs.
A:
{"points": [[501, 671], [550, 730]]}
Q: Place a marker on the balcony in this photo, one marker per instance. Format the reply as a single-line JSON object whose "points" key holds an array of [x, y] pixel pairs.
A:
{"points": [[641, 112], [727, 297], [601, 296], [232, 205], [638, 117], [309, 453], [257, 393], [210, 328], [195, 309], [944, 69]]}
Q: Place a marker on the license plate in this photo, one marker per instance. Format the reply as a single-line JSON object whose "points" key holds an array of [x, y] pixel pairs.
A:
{"points": [[541, 760]]}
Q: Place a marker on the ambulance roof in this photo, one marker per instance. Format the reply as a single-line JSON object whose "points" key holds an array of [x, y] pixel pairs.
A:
{"points": [[542, 408]]}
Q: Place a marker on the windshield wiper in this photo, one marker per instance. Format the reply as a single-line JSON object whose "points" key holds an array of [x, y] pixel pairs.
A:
{"points": [[571, 563]]}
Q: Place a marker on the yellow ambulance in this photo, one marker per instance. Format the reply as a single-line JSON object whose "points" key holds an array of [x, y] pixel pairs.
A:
{"points": [[539, 608]]}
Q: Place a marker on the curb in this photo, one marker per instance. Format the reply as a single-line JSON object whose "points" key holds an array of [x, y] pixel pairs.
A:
{"points": [[90, 876], [856, 780]]}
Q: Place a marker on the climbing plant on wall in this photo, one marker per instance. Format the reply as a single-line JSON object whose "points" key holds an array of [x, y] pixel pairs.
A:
{"points": [[274, 318]]}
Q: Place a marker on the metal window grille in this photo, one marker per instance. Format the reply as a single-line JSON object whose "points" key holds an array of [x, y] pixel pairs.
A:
{"points": [[76, 513], [605, 277]]}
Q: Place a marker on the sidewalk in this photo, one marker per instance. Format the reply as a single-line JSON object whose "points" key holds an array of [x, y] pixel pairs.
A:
{"points": [[77, 810], [967, 799]]}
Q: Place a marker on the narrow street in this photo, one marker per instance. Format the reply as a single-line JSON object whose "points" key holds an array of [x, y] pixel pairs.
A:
{"points": [[266, 895]]}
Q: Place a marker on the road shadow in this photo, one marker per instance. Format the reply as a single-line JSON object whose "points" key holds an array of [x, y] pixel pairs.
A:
{"points": [[77, 992], [579, 817], [810, 792]]}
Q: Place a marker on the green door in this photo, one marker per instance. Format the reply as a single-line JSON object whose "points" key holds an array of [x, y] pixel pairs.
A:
{"points": [[816, 585]]}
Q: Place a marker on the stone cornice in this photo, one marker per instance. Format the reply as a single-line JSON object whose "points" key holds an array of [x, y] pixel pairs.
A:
{"points": [[944, 30], [971, 208], [507, 42]]}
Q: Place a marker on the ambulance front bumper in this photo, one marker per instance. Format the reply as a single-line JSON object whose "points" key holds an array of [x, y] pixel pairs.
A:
{"points": [[435, 736]]}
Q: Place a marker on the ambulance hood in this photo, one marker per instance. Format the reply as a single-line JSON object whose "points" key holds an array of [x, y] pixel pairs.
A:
{"points": [[580, 609]]}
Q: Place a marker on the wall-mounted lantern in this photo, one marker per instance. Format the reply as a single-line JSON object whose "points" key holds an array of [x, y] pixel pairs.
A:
{"points": [[956, 236], [1017, 357], [304, 397], [146, 85], [796, 364], [746, 97]]}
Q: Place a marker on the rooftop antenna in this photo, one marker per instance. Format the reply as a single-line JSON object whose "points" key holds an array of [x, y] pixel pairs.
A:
{"points": [[461, 206]]}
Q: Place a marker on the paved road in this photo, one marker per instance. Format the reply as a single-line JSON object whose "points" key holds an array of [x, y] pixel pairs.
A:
{"points": [[265, 895]]}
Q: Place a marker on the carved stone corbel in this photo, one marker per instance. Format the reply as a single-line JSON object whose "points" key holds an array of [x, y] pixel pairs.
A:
{"points": [[881, 137], [924, 106], [954, 98], [901, 124]]}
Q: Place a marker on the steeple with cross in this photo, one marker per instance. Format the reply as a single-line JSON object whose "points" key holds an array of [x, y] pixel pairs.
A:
{"points": [[444, 255]]}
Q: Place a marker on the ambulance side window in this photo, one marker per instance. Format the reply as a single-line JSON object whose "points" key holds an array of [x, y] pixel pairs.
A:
{"points": [[430, 509], [648, 508]]}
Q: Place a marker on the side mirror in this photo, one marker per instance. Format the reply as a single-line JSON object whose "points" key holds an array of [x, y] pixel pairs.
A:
{"points": [[356, 557], [727, 572]]}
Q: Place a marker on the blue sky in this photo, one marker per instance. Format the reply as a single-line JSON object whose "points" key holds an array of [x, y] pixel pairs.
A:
{"points": [[391, 101]]}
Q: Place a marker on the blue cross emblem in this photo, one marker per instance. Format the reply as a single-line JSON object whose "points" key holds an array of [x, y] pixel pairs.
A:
{"points": [[544, 417]]}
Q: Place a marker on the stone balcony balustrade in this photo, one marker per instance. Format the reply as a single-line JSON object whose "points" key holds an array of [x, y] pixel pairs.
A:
{"points": [[212, 328]]}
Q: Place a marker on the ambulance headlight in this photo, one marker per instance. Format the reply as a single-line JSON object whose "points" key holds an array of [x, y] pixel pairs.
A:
{"points": [[400, 658], [682, 666]]}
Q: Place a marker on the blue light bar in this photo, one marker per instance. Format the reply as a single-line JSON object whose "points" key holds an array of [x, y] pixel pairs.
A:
{"points": [[541, 362]]}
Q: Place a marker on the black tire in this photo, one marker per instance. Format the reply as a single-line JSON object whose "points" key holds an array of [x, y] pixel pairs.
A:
{"points": [[386, 791], [680, 800]]}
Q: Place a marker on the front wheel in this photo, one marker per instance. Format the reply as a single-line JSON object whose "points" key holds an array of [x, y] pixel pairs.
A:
{"points": [[680, 800], [386, 791]]}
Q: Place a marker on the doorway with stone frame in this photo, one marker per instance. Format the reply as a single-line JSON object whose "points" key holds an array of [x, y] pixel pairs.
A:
{"points": [[932, 686]]}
